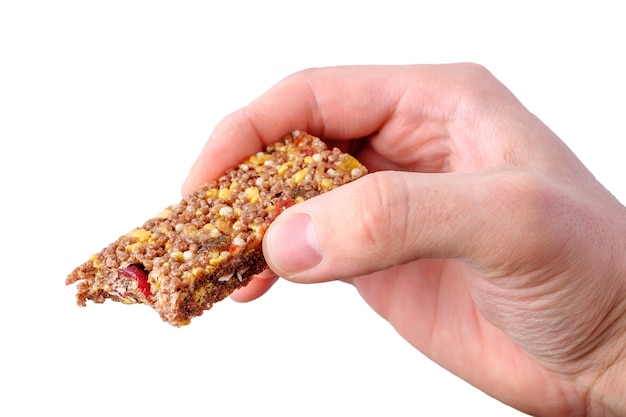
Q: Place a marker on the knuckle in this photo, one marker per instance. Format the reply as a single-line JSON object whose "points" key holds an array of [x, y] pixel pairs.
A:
{"points": [[385, 205], [476, 86]]}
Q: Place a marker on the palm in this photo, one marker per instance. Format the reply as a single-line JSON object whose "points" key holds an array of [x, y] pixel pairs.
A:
{"points": [[429, 303]]}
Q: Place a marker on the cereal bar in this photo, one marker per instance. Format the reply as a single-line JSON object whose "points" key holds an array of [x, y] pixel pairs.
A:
{"points": [[195, 253]]}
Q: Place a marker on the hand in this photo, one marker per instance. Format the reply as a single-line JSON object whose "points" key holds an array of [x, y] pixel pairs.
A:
{"points": [[478, 235]]}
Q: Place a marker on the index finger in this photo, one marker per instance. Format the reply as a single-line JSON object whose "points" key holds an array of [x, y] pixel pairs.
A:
{"points": [[333, 103]]}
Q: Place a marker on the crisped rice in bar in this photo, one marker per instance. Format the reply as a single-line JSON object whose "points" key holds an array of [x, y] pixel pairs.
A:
{"points": [[195, 253]]}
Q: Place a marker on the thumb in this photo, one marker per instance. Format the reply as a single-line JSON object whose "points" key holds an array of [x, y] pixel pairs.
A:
{"points": [[389, 218]]}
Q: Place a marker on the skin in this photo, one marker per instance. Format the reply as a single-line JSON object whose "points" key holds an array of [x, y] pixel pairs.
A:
{"points": [[485, 242]]}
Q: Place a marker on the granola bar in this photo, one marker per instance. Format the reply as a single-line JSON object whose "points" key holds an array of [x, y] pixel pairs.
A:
{"points": [[197, 252]]}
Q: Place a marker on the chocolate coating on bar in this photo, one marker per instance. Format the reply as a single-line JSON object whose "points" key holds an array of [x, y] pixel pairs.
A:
{"points": [[197, 252]]}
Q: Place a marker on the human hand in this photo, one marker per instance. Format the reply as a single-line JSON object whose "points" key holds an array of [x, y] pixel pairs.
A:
{"points": [[478, 234]]}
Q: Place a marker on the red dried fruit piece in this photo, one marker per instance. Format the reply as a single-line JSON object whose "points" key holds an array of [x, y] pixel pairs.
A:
{"points": [[284, 204], [137, 273]]}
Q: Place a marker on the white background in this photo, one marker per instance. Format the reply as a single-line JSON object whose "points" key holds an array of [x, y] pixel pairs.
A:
{"points": [[104, 105]]}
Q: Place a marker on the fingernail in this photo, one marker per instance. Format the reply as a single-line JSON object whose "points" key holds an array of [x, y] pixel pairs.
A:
{"points": [[292, 245]]}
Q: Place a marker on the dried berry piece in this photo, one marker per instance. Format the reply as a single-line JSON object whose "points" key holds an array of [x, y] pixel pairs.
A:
{"points": [[137, 273]]}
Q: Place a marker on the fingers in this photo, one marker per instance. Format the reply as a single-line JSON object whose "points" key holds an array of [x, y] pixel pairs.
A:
{"points": [[256, 288], [334, 102], [392, 218]]}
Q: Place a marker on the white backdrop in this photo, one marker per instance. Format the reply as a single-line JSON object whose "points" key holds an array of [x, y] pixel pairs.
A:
{"points": [[104, 105]]}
